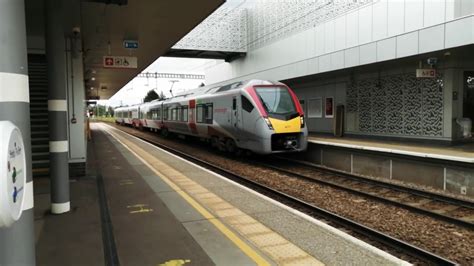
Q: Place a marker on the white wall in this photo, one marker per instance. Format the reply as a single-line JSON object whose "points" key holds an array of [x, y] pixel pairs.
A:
{"points": [[76, 104], [383, 30]]}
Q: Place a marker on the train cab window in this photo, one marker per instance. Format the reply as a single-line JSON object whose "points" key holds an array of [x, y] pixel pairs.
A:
{"points": [[200, 113], [184, 114], [246, 104]]}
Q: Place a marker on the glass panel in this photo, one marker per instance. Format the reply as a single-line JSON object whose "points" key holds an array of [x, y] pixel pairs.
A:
{"points": [[276, 100], [315, 108], [200, 114]]}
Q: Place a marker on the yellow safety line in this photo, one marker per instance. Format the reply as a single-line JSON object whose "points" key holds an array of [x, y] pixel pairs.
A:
{"points": [[259, 260]]}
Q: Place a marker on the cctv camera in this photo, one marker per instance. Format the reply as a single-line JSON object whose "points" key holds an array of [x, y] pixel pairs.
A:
{"points": [[76, 30], [432, 61]]}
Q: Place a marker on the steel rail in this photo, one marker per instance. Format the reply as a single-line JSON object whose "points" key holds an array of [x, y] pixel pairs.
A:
{"points": [[449, 219], [372, 234], [414, 191]]}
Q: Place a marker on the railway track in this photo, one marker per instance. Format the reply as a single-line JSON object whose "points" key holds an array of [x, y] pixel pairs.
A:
{"points": [[448, 209], [405, 248]]}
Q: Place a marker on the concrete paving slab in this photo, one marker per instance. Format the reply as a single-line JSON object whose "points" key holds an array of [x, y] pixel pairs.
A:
{"points": [[222, 251], [179, 207], [329, 248]]}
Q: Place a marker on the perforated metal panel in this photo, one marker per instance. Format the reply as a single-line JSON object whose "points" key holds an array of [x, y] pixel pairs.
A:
{"points": [[399, 105]]}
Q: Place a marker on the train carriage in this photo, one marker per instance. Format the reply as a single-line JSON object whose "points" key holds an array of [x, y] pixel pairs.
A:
{"points": [[261, 116]]}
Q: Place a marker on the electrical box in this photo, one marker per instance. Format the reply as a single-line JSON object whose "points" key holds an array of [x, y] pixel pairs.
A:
{"points": [[12, 173]]}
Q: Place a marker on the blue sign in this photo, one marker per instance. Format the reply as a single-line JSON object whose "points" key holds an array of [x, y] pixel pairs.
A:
{"points": [[130, 44]]}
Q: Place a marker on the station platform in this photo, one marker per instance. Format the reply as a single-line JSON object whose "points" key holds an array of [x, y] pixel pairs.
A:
{"points": [[440, 168], [462, 152], [139, 205]]}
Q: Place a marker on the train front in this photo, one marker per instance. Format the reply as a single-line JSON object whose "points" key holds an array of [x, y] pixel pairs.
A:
{"points": [[282, 125]]}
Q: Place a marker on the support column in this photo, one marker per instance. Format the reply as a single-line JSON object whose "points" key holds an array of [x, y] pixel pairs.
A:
{"points": [[17, 242], [57, 107]]}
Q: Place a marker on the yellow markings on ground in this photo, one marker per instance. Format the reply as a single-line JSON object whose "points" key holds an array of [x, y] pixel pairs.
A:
{"points": [[139, 208], [216, 210], [175, 263], [125, 182]]}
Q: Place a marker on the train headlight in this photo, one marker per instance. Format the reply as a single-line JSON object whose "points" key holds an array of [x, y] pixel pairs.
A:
{"points": [[302, 121], [269, 124]]}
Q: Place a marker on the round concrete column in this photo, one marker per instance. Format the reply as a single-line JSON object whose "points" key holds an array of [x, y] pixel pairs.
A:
{"points": [[57, 107], [17, 242]]}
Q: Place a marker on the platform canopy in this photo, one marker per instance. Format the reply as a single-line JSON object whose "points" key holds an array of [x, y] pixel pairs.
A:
{"points": [[156, 25], [105, 24]]}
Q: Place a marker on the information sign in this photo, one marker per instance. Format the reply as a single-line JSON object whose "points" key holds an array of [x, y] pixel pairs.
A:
{"points": [[130, 44], [120, 61], [426, 73], [12, 173]]}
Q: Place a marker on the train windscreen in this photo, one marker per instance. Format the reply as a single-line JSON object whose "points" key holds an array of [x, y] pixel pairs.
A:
{"points": [[277, 102]]}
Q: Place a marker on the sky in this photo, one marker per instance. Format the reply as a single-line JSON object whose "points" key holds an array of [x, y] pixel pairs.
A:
{"points": [[134, 91]]}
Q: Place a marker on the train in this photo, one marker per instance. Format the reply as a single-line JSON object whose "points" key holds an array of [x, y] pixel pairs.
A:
{"points": [[260, 116]]}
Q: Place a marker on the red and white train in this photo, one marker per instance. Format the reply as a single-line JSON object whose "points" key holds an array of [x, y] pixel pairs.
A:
{"points": [[260, 116]]}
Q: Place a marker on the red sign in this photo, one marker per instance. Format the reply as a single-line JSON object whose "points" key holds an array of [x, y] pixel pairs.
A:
{"points": [[426, 73], [111, 61], [329, 107]]}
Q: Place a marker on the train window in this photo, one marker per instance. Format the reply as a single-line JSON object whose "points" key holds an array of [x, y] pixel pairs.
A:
{"points": [[165, 114], [200, 113], [158, 114], [149, 114], [246, 104], [184, 113], [173, 114], [208, 113], [234, 103]]}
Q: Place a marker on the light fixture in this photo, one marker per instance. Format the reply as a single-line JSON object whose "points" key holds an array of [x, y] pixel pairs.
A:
{"points": [[93, 78]]}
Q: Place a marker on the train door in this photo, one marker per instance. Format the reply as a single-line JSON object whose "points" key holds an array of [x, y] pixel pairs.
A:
{"points": [[236, 119]]}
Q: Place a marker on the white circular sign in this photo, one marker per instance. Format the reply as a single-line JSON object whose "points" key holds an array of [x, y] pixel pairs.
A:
{"points": [[12, 173]]}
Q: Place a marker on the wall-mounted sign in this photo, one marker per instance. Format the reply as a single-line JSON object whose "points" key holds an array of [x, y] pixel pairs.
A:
{"points": [[426, 73], [130, 44], [329, 107], [120, 62], [12, 173]]}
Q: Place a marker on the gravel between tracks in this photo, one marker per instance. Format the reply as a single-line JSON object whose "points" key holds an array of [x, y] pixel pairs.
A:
{"points": [[441, 238]]}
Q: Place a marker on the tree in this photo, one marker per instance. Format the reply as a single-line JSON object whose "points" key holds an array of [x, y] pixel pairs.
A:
{"points": [[111, 111], [150, 96]]}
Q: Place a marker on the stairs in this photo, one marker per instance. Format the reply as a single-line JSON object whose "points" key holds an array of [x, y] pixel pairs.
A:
{"points": [[38, 80]]}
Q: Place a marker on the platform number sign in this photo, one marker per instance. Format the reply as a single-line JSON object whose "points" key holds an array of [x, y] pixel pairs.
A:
{"points": [[12, 173]]}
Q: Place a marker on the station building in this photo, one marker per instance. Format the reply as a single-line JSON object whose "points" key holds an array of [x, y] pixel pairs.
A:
{"points": [[363, 55]]}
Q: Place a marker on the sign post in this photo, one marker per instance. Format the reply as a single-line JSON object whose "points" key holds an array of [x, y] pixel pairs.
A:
{"points": [[12, 173]]}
